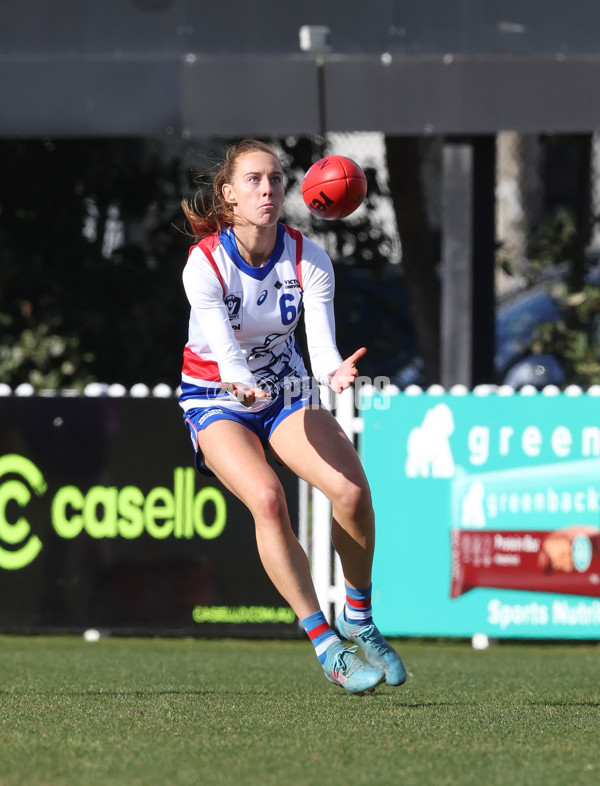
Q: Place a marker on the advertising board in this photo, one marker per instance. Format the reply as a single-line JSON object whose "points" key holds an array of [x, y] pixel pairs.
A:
{"points": [[488, 514], [105, 524]]}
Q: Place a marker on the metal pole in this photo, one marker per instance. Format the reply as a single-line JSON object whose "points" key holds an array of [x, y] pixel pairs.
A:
{"points": [[457, 257], [321, 98], [468, 245]]}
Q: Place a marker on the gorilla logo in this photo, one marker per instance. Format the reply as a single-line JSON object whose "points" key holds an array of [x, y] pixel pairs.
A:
{"points": [[428, 446]]}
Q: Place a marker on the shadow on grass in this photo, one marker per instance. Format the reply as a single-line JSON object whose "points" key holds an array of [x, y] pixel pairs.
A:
{"points": [[149, 693], [405, 702]]}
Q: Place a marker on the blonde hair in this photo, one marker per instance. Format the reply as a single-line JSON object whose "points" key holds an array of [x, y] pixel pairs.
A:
{"points": [[203, 218]]}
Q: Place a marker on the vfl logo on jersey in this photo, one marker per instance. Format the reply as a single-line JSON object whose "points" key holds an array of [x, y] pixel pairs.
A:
{"points": [[234, 307], [262, 298]]}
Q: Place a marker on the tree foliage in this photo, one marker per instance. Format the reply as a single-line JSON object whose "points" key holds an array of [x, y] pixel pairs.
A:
{"points": [[573, 279], [89, 263]]}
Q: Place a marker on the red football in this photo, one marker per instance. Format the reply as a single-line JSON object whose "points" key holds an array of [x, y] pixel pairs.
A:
{"points": [[334, 187]]}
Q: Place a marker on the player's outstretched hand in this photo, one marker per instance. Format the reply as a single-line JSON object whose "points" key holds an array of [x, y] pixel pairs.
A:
{"points": [[346, 373], [244, 393]]}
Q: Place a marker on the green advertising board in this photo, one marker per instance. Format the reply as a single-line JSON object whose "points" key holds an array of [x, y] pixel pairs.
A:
{"points": [[488, 513]]}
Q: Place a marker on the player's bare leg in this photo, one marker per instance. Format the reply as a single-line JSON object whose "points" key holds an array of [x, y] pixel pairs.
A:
{"points": [[281, 554], [314, 446], [259, 488]]}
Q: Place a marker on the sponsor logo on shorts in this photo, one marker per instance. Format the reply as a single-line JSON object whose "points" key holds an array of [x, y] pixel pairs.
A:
{"points": [[209, 414]]}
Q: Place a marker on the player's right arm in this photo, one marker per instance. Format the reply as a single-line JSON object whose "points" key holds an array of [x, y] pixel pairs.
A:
{"points": [[205, 295]]}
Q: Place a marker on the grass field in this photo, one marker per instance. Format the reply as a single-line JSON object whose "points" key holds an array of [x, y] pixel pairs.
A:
{"points": [[227, 712]]}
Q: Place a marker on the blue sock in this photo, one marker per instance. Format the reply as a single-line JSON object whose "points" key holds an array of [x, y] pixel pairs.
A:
{"points": [[320, 633], [357, 609]]}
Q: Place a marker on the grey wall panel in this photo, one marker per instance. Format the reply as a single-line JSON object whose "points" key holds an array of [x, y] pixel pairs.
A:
{"points": [[251, 95], [175, 27], [237, 96], [68, 97], [455, 95], [74, 68]]}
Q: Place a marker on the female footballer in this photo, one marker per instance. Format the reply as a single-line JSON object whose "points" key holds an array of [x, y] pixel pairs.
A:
{"points": [[248, 279]]}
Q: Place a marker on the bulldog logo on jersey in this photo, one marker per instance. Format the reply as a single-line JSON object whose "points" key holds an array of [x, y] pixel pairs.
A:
{"points": [[234, 307]]}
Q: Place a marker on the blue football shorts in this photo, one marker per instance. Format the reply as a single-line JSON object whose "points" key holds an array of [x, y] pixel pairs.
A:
{"points": [[263, 423]]}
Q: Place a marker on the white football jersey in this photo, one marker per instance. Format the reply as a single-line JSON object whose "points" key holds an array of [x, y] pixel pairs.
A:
{"points": [[242, 318]]}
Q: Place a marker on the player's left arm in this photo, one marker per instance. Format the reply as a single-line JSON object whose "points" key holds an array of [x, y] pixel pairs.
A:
{"points": [[319, 286]]}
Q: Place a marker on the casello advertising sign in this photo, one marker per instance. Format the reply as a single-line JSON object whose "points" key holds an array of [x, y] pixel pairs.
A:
{"points": [[488, 514], [103, 511], [105, 523]]}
